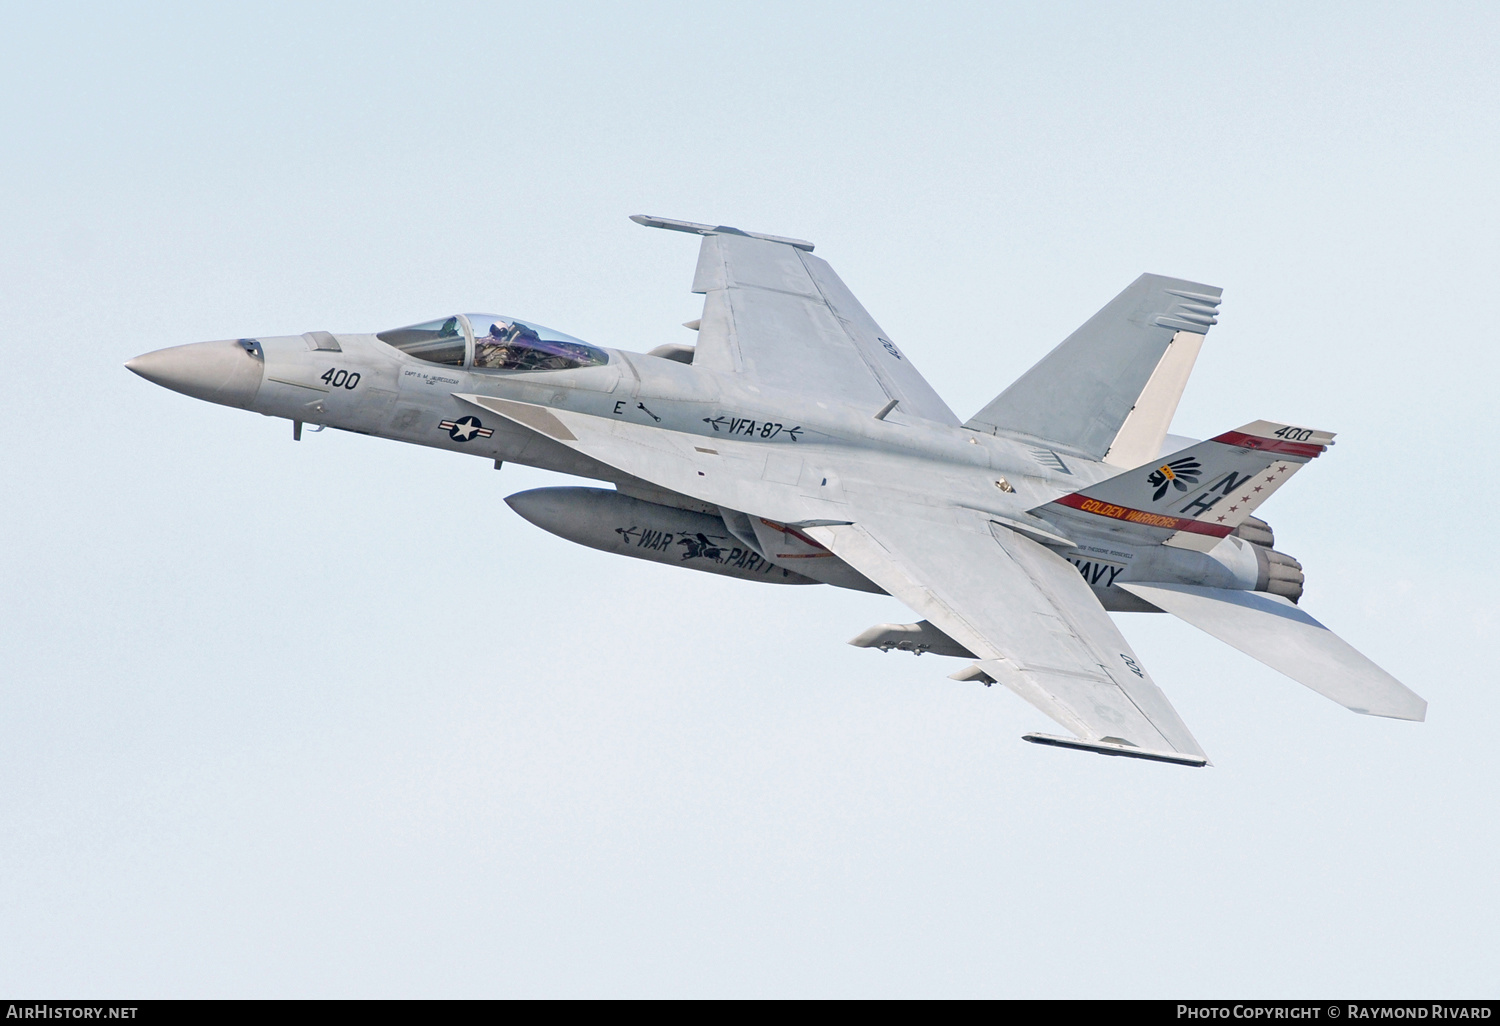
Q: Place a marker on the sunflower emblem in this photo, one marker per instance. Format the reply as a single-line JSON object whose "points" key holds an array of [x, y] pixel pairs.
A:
{"points": [[1180, 474]]}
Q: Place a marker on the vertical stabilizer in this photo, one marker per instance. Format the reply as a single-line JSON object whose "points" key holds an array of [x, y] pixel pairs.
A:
{"points": [[1196, 497], [1135, 354]]}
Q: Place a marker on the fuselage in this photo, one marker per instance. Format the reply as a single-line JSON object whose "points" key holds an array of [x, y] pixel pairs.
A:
{"points": [[364, 384]]}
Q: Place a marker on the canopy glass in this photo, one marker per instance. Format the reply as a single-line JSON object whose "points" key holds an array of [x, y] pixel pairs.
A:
{"points": [[493, 342]]}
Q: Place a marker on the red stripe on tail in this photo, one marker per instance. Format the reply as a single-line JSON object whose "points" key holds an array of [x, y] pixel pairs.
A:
{"points": [[1276, 445], [1140, 516]]}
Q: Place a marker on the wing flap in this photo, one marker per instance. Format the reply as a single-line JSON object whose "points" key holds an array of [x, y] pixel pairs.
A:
{"points": [[1272, 630], [885, 361]]}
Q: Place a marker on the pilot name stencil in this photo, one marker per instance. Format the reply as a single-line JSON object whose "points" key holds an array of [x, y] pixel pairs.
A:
{"points": [[429, 378]]}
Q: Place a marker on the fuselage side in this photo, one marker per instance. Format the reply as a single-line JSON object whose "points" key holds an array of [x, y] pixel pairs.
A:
{"points": [[357, 382]]}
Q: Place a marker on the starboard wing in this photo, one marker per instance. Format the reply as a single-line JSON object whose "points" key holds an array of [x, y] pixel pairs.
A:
{"points": [[1033, 620], [774, 312]]}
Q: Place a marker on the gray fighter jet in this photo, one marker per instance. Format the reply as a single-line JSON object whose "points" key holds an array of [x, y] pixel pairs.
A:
{"points": [[796, 444]]}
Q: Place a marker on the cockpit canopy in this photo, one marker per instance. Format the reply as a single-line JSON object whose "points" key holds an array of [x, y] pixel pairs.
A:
{"points": [[493, 342]]}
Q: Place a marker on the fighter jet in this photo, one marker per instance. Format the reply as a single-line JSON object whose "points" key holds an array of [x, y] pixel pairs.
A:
{"points": [[796, 444]]}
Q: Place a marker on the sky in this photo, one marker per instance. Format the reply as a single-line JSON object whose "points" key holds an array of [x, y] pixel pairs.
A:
{"points": [[327, 719]]}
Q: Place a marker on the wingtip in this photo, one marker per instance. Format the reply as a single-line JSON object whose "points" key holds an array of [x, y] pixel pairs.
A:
{"points": [[1410, 714], [1118, 748], [694, 228]]}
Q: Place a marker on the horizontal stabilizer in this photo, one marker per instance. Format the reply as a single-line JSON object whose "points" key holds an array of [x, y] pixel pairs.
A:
{"points": [[1272, 630]]}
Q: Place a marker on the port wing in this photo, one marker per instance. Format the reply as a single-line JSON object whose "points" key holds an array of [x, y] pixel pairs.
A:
{"points": [[774, 312]]}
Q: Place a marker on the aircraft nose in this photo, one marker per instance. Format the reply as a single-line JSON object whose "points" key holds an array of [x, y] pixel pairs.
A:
{"points": [[226, 372]]}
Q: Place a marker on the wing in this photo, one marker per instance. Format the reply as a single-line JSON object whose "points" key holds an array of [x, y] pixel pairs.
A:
{"points": [[774, 312], [1033, 620], [1023, 610]]}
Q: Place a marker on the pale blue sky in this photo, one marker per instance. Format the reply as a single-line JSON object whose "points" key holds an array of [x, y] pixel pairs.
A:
{"points": [[329, 719]]}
